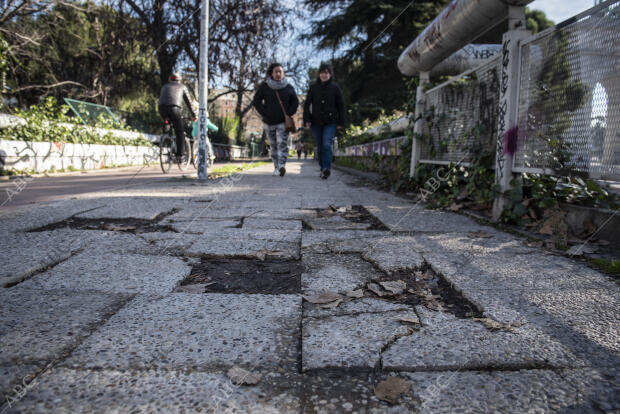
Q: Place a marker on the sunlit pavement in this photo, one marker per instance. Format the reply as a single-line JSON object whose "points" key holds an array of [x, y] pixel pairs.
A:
{"points": [[141, 298]]}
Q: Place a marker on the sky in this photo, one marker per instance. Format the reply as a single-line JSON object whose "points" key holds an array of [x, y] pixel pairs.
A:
{"points": [[560, 10]]}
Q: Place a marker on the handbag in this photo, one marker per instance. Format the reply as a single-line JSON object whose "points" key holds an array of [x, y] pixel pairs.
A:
{"points": [[289, 123]]}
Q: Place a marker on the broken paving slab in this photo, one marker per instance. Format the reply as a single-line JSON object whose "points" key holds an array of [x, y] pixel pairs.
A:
{"points": [[14, 378], [585, 321], [510, 392], [26, 253], [448, 343], [329, 392], [397, 253], [534, 271], [286, 214], [189, 331], [103, 391], [214, 247], [336, 223], [169, 243], [335, 273], [413, 217], [212, 212], [596, 389], [351, 341], [353, 307], [112, 272], [37, 327], [481, 243], [271, 224], [200, 226], [340, 241], [27, 218], [147, 208]]}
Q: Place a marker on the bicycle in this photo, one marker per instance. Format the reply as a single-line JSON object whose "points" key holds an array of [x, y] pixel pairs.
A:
{"points": [[168, 147]]}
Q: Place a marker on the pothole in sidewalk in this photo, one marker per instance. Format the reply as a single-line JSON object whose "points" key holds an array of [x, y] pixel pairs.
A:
{"points": [[424, 287], [333, 217], [129, 225], [271, 276]]}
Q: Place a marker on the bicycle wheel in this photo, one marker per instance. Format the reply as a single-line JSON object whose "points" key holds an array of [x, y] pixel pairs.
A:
{"points": [[186, 159], [165, 153]]}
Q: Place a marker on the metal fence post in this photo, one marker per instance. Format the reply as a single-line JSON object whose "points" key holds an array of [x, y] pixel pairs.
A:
{"points": [[418, 128], [507, 112]]}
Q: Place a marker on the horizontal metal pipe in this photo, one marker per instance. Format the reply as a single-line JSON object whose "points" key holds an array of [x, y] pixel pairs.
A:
{"points": [[461, 22], [465, 59]]}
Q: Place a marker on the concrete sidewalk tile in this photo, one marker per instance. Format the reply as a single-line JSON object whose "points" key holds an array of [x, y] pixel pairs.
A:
{"points": [[448, 343], [357, 306], [111, 272], [323, 241], [147, 208], [395, 253], [14, 378], [187, 331], [271, 224], [354, 341], [414, 217], [26, 253], [93, 391], [39, 326], [336, 273], [200, 226], [511, 392]]}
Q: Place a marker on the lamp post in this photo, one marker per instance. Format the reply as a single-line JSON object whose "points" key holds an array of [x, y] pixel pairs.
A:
{"points": [[203, 92]]}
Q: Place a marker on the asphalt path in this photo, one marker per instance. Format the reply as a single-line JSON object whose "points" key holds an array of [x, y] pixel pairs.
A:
{"points": [[18, 192]]}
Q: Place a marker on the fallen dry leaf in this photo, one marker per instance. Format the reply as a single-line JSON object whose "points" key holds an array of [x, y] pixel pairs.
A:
{"points": [[391, 388], [325, 297], [358, 293], [332, 305], [240, 376], [376, 289], [409, 319], [197, 288], [396, 287]]}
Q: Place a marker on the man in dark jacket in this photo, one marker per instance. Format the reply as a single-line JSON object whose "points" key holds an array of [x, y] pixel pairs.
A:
{"points": [[170, 107], [272, 109], [324, 112]]}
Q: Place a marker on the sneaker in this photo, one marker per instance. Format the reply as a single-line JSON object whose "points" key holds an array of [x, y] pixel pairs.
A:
{"points": [[282, 171], [325, 174], [276, 172]]}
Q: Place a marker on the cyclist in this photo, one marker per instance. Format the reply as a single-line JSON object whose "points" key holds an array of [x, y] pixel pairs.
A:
{"points": [[170, 107]]}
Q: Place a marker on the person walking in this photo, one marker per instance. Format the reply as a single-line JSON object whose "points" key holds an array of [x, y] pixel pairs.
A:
{"points": [[324, 113], [273, 99]]}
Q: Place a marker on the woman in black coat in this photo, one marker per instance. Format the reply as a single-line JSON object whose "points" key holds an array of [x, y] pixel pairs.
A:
{"points": [[324, 112]]}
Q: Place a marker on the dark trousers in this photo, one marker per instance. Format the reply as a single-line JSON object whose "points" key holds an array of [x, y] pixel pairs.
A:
{"points": [[323, 137], [173, 113]]}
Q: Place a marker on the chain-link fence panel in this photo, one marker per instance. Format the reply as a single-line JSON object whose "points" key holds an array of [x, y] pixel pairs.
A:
{"points": [[94, 114], [569, 98], [461, 116]]}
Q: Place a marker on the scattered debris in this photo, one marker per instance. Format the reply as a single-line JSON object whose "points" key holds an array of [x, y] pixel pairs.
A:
{"points": [[494, 325], [455, 207], [118, 227], [358, 293], [479, 234], [395, 287], [332, 305], [391, 388], [537, 244], [409, 319], [240, 376], [325, 297], [376, 289]]}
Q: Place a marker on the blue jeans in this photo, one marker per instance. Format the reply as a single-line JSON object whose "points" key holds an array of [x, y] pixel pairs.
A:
{"points": [[323, 137]]}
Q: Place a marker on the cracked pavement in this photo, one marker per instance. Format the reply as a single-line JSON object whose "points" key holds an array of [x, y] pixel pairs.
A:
{"points": [[93, 320]]}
